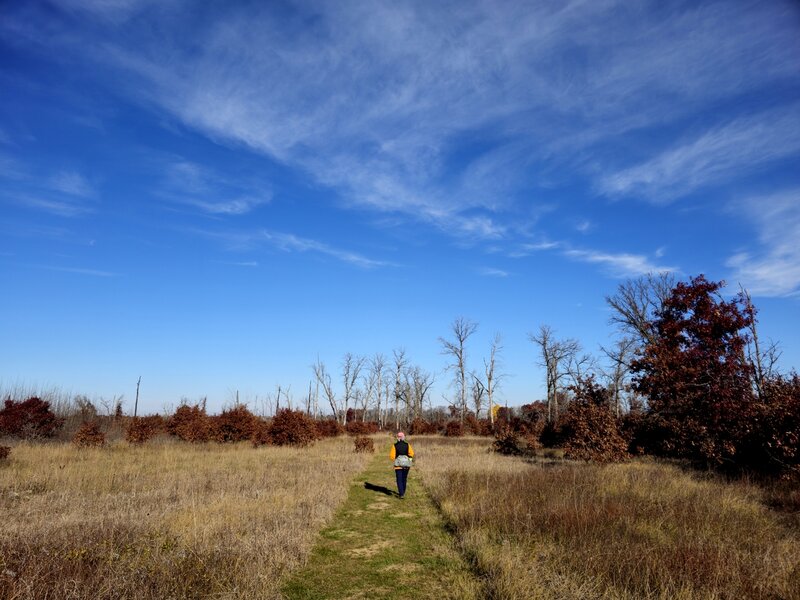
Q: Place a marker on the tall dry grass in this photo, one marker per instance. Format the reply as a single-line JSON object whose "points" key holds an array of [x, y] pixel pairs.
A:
{"points": [[640, 530], [167, 520]]}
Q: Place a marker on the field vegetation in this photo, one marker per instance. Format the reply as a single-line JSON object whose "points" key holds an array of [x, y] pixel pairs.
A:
{"points": [[165, 519], [550, 528]]}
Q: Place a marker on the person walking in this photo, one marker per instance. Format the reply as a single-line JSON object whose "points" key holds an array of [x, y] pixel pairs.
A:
{"points": [[402, 454]]}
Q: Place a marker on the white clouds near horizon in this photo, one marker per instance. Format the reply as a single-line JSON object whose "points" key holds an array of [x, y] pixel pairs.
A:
{"points": [[773, 269]]}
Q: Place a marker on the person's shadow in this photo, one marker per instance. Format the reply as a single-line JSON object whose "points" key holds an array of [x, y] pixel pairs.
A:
{"points": [[378, 488]]}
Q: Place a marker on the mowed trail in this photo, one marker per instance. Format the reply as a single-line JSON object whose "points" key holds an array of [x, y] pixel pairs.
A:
{"points": [[380, 546]]}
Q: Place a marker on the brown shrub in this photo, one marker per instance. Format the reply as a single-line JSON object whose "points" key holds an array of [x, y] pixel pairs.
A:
{"points": [[29, 419], [589, 430], [89, 436], [506, 441], [329, 428], [292, 428], [778, 437], [191, 424], [454, 429], [363, 444], [5, 452], [421, 427], [362, 427], [477, 426], [235, 425], [142, 429], [261, 434]]}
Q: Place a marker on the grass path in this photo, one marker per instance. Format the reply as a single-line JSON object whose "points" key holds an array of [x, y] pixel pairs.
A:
{"points": [[379, 546]]}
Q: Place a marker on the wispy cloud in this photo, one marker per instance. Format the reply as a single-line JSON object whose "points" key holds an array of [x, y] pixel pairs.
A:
{"points": [[81, 271], [245, 263], [355, 109], [291, 243], [192, 184], [619, 265], [491, 272], [774, 268], [720, 154], [71, 183], [55, 206], [288, 242]]}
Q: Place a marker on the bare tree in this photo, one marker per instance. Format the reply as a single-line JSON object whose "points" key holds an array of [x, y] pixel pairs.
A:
{"points": [[763, 362], [376, 366], [579, 366], [636, 305], [351, 370], [556, 356], [462, 329], [493, 376], [324, 380], [620, 357], [477, 393], [418, 386], [400, 364]]}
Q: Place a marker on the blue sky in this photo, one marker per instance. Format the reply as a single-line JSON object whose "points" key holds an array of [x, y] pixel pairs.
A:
{"points": [[212, 195]]}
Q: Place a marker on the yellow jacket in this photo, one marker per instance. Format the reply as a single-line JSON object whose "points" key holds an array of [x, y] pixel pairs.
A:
{"points": [[393, 453]]}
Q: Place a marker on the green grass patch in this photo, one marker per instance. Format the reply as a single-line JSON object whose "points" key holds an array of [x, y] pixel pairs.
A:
{"points": [[379, 546]]}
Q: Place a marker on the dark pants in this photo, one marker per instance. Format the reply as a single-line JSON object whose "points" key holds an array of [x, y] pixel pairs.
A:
{"points": [[402, 477]]}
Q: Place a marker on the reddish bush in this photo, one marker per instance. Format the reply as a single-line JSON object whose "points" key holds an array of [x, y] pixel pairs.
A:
{"points": [[292, 428], [362, 427], [142, 429], [454, 429], [775, 443], [5, 452], [506, 441], [191, 424], [261, 434], [477, 426], [328, 428], [363, 444], [589, 430], [235, 425], [89, 436], [31, 418], [422, 427]]}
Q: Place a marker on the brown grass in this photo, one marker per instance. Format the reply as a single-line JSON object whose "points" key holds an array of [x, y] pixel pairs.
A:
{"points": [[164, 520], [637, 530]]}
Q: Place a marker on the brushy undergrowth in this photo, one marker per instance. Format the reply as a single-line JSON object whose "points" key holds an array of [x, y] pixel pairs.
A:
{"points": [[164, 520], [637, 530], [89, 435], [363, 444]]}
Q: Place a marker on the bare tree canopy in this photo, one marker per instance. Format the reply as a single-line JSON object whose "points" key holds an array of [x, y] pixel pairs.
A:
{"points": [[455, 348], [560, 359], [637, 302]]}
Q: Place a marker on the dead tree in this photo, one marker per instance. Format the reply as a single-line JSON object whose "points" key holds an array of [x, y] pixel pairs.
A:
{"points": [[493, 376], [763, 362], [324, 380], [462, 329], [376, 366], [556, 356], [637, 303], [418, 386], [351, 370], [400, 364], [616, 374], [477, 392]]}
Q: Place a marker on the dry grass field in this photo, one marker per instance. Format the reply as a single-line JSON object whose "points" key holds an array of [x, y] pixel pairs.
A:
{"points": [[176, 520], [640, 530], [166, 520]]}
